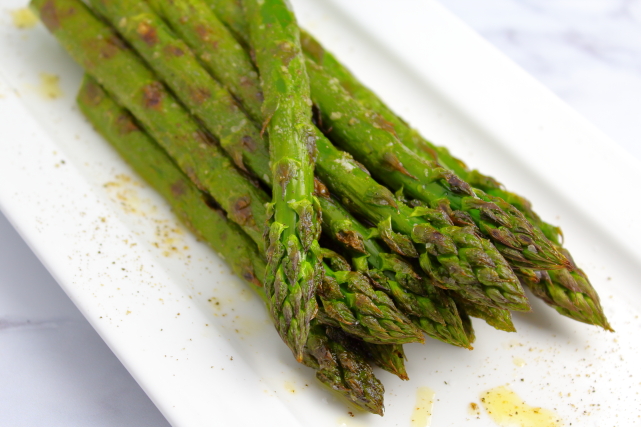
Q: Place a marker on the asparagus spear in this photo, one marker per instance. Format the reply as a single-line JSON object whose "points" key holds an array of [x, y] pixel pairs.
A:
{"points": [[569, 292], [94, 45], [495, 317], [341, 369], [561, 293], [293, 265], [390, 357], [430, 308], [572, 294], [457, 257]]}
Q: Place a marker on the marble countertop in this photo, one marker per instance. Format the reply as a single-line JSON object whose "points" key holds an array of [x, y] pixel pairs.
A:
{"points": [[56, 371]]}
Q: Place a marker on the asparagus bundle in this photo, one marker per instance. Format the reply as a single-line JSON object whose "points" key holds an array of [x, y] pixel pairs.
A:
{"points": [[467, 237], [294, 262], [568, 289], [455, 256], [339, 364], [398, 167], [98, 48]]}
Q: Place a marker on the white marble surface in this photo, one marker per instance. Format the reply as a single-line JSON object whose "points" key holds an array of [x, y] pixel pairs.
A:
{"points": [[56, 371], [588, 52], [54, 368]]}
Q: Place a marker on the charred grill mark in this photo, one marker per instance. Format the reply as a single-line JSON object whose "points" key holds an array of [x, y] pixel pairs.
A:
{"points": [[381, 123], [203, 32], [285, 172], [286, 52], [250, 276]]}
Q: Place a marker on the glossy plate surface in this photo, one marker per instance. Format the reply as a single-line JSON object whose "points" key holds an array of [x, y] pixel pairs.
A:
{"points": [[199, 342]]}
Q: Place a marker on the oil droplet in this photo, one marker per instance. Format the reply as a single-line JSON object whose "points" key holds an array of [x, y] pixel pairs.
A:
{"points": [[508, 410], [24, 18], [512, 344], [49, 86], [519, 362], [290, 387], [249, 327], [422, 414]]}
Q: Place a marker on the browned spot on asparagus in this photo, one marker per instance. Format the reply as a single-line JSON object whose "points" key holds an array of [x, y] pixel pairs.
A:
{"points": [[178, 188], [174, 50], [153, 95], [200, 95], [49, 15], [125, 124], [242, 212], [147, 33]]}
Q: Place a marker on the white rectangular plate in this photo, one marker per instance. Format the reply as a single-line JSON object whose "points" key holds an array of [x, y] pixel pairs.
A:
{"points": [[200, 343]]}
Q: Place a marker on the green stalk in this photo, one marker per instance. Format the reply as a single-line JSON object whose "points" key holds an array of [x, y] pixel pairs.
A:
{"points": [[230, 12], [341, 369], [454, 256], [96, 47], [152, 163], [572, 294], [177, 66], [216, 48], [293, 264], [569, 292]]}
